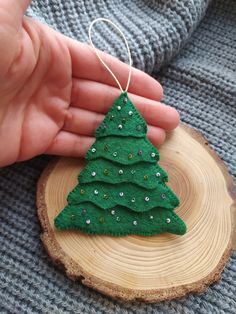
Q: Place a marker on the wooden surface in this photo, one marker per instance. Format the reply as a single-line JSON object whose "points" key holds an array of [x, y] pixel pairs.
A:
{"points": [[150, 268]]}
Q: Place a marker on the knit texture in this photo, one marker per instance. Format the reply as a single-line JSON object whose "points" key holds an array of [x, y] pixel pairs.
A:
{"points": [[199, 82], [108, 200]]}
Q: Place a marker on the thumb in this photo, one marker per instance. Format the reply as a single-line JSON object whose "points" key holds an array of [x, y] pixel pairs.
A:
{"points": [[11, 16], [12, 11]]}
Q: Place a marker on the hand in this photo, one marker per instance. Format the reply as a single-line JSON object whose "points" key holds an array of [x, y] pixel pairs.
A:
{"points": [[54, 91]]}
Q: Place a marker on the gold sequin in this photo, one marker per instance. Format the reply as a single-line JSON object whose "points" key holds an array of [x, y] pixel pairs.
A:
{"points": [[101, 220], [106, 172], [105, 196]]}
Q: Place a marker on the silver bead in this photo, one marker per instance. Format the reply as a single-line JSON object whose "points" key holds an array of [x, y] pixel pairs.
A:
{"points": [[132, 171], [93, 174], [125, 100], [121, 194], [117, 218], [146, 199], [118, 108], [168, 220], [121, 171], [120, 126], [113, 212], [84, 211], [88, 221], [163, 195], [95, 192], [94, 150], [114, 154], [158, 174], [133, 200], [153, 155], [139, 127], [135, 222], [140, 152], [151, 217], [130, 113]]}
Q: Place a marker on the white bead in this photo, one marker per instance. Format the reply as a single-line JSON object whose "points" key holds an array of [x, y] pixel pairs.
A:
{"points": [[133, 200], [93, 174], [135, 222], [113, 212], [94, 150], [121, 171], [151, 217], [130, 113], [168, 220], [118, 108], [146, 198], [158, 174], [117, 218], [114, 154], [96, 192], [153, 154], [88, 221], [133, 171], [121, 194], [120, 126]]}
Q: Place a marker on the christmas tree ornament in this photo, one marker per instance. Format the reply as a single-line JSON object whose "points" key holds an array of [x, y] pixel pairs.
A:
{"points": [[122, 190]]}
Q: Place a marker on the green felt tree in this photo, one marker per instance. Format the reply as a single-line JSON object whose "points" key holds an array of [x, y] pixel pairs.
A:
{"points": [[122, 190]]}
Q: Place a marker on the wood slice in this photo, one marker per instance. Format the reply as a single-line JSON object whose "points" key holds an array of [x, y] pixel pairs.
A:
{"points": [[150, 268]]}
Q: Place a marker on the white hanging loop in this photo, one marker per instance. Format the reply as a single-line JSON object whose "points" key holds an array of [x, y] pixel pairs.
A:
{"points": [[99, 57]]}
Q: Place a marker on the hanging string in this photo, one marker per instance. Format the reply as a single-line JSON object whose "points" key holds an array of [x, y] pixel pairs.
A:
{"points": [[99, 57]]}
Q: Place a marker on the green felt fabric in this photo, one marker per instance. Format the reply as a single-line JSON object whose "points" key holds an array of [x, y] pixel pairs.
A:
{"points": [[106, 195], [143, 174], [122, 179], [119, 221], [123, 150], [123, 114]]}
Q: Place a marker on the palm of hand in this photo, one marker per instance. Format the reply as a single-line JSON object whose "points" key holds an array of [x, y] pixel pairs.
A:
{"points": [[38, 84], [54, 93]]}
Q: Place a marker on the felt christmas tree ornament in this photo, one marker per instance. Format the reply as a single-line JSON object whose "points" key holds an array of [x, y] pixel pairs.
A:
{"points": [[122, 190]]}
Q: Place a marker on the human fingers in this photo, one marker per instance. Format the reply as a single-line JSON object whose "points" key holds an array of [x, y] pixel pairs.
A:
{"points": [[84, 122], [99, 97], [70, 144], [75, 145], [86, 65]]}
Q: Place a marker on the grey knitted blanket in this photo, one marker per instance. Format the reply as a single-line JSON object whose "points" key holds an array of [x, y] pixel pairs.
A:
{"points": [[190, 45]]}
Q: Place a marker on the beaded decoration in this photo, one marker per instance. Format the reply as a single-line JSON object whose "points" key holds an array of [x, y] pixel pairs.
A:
{"points": [[122, 190], [126, 192]]}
